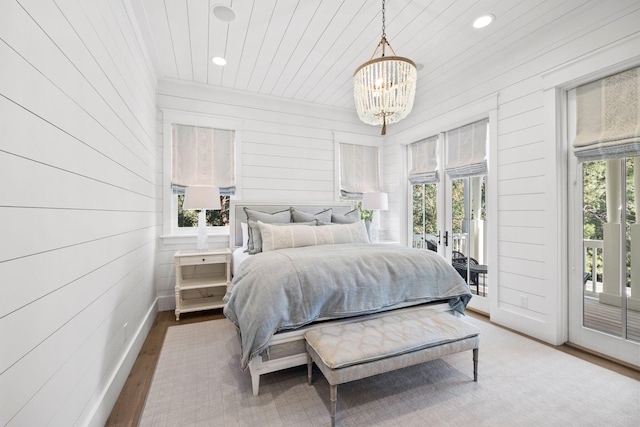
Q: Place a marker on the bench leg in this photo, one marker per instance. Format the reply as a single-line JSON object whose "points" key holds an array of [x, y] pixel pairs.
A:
{"points": [[309, 368], [333, 396], [475, 364]]}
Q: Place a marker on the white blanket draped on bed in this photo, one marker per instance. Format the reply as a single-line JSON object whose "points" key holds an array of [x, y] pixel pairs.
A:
{"points": [[288, 288]]}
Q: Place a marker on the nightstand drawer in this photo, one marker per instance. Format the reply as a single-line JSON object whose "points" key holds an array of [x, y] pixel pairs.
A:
{"points": [[202, 259]]}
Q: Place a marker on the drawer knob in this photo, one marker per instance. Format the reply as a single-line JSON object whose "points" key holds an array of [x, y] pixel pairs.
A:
{"points": [[202, 259]]}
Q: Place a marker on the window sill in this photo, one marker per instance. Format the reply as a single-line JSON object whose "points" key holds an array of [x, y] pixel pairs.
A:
{"points": [[213, 236]]}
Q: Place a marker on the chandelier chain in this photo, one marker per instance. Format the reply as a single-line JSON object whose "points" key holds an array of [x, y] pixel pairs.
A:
{"points": [[384, 33]]}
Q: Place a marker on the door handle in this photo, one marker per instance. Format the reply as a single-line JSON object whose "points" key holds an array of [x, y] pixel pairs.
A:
{"points": [[438, 236], [446, 238]]}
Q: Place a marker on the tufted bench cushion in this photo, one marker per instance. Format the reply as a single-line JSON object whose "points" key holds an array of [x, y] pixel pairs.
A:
{"points": [[348, 344], [352, 351]]}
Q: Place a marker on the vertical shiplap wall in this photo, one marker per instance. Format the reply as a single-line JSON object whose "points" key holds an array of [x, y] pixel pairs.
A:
{"points": [[286, 153], [527, 257], [77, 208]]}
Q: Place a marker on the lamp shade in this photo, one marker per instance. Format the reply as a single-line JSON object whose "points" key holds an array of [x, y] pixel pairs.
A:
{"points": [[375, 200], [201, 198]]}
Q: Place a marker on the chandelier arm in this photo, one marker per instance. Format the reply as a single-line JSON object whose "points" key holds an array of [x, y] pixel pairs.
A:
{"points": [[376, 51], [389, 44]]}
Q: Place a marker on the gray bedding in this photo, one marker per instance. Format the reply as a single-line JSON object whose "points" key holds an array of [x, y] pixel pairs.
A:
{"points": [[288, 288]]}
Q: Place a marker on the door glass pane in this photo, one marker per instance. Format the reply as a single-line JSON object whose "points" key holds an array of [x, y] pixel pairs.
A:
{"points": [[601, 241], [469, 251], [425, 217], [632, 285]]}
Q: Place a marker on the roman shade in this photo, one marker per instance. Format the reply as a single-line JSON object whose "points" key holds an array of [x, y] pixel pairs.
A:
{"points": [[203, 156], [467, 150], [424, 161], [359, 171], [608, 117]]}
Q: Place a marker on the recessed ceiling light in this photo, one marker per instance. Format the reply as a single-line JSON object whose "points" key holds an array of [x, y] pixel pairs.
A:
{"points": [[224, 13], [483, 21], [218, 60]]}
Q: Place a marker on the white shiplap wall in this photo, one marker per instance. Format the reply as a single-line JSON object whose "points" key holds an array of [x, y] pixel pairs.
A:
{"points": [[524, 235], [285, 154], [77, 208]]}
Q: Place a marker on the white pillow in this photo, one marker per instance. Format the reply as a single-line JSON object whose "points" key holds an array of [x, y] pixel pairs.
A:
{"points": [[245, 234], [283, 236]]}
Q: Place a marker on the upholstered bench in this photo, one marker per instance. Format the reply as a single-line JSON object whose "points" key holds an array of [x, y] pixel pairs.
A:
{"points": [[352, 351]]}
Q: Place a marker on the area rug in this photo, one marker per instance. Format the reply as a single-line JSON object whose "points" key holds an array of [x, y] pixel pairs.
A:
{"points": [[198, 382]]}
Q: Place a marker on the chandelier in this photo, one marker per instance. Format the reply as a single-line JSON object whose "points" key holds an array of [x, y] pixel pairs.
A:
{"points": [[384, 87]]}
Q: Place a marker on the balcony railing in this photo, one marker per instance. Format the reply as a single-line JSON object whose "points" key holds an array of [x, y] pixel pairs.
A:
{"points": [[429, 241], [592, 253]]}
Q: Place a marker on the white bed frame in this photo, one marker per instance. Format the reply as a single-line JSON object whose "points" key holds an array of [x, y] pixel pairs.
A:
{"points": [[258, 366]]}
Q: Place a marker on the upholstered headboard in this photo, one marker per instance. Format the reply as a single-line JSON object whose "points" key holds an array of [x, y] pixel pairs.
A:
{"points": [[238, 216]]}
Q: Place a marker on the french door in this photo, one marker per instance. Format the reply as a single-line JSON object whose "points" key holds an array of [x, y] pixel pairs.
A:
{"points": [[449, 217], [604, 253]]}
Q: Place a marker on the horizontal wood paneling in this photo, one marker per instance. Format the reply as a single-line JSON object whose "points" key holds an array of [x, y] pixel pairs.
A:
{"points": [[79, 207], [287, 148], [521, 219], [526, 251], [522, 138]]}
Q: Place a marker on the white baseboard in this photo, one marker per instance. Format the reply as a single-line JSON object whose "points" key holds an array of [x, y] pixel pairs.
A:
{"points": [[100, 413], [166, 303]]}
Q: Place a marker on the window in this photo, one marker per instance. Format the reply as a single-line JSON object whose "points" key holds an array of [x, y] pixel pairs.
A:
{"points": [[359, 171], [200, 155]]}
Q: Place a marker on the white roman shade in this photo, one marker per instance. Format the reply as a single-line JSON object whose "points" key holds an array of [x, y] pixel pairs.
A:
{"points": [[359, 171], [467, 150], [204, 157], [608, 117], [424, 161]]}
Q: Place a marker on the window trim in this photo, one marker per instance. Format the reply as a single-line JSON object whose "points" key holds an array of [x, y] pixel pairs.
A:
{"points": [[169, 200]]}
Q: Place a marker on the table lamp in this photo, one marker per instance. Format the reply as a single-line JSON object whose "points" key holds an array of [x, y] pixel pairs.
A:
{"points": [[375, 201], [201, 198]]}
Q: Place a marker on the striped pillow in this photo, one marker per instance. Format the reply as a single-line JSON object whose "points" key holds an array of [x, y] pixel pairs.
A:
{"points": [[282, 237]]}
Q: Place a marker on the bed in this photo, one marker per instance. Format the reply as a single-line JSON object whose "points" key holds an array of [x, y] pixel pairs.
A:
{"points": [[286, 283]]}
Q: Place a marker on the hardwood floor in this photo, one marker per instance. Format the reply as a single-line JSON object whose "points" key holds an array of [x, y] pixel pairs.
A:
{"points": [[128, 408]]}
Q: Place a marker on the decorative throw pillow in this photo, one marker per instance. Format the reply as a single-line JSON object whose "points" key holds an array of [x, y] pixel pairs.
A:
{"points": [[301, 216], [348, 218], [266, 217], [257, 232], [287, 236]]}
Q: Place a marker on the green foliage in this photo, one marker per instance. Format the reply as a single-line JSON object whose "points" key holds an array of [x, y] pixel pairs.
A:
{"points": [[217, 218], [364, 213], [425, 208], [594, 203]]}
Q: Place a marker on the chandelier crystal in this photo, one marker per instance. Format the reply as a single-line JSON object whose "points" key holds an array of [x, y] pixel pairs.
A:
{"points": [[384, 88]]}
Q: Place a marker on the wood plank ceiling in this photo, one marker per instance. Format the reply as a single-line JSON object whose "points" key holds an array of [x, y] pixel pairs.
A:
{"points": [[307, 50]]}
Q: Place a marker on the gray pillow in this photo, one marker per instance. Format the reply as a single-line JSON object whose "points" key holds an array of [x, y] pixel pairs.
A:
{"points": [[348, 218], [266, 217], [301, 216]]}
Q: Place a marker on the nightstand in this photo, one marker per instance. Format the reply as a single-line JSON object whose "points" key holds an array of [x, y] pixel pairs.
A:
{"points": [[202, 277]]}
